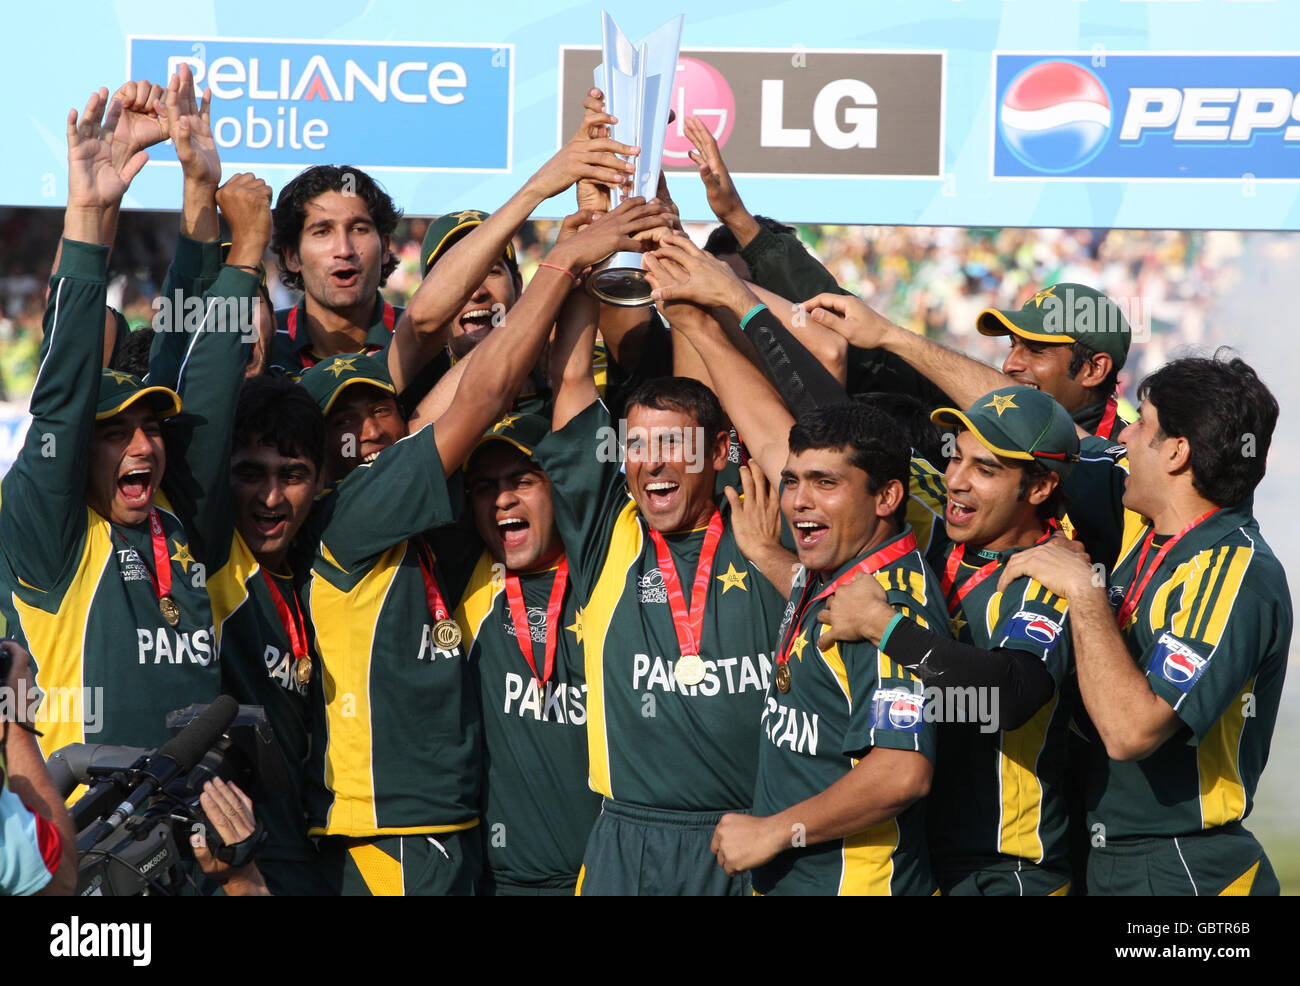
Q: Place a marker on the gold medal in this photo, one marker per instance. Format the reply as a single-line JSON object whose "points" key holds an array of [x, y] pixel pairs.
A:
{"points": [[689, 669], [783, 677], [170, 611], [446, 634], [303, 671]]}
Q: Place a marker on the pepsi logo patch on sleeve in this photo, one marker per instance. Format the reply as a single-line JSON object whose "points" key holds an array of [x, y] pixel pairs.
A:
{"points": [[1177, 663], [1033, 628], [898, 709]]}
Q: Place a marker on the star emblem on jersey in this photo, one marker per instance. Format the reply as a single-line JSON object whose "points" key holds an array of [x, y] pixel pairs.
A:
{"points": [[957, 623], [339, 365], [1000, 402], [505, 422], [732, 579], [119, 377], [800, 642], [576, 626], [183, 556], [1041, 296]]}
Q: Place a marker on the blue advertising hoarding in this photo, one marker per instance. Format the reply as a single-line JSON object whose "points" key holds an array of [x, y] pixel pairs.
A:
{"points": [[928, 112]]}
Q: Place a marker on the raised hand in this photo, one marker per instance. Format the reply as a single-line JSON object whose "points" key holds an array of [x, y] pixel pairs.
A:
{"points": [[245, 201], [585, 160], [723, 198], [851, 318], [189, 124], [95, 181], [593, 196], [143, 122], [683, 272], [610, 233]]}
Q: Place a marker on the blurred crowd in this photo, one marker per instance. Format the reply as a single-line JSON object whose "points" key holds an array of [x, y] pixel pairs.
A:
{"points": [[932, 280]]}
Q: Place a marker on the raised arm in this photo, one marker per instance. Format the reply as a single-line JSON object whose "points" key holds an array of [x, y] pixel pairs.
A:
{"points": [[963, 379], [422, 330], [506, 355], [685, 278], [45, 489]]}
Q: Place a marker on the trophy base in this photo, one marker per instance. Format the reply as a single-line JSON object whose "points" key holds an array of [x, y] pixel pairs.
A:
{"points": [[620, 281]]}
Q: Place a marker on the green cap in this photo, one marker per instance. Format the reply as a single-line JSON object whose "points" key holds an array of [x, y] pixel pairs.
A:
{"points": [[444, 231], [327, 379], [117, 390], [1019, 423], [523, 431], [1065, 313]]}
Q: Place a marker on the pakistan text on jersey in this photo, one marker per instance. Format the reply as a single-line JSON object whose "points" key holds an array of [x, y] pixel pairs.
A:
{"points": [[741, 674]]}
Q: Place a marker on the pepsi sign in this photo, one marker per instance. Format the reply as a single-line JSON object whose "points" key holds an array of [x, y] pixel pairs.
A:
{"points": [[1146, 116], [1177, 663], [897, 709], [417, 107]]}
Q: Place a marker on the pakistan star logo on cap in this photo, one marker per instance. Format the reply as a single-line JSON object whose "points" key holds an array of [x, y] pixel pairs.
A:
{"points": [[1040, 296], [460, 217], [1000, 402], [118, 376], [339, 365], [505, 422]]}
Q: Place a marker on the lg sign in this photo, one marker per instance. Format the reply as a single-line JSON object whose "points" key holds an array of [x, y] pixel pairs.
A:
{"points": [[1148, 116], [804, 113]]}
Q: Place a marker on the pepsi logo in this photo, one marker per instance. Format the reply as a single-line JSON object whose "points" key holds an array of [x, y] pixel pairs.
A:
{"points": [[904, 713], [1055, 116], [1179, 668], [1041, 630]]}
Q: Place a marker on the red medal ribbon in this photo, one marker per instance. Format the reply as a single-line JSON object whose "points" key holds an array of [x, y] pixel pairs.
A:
{"points": [[389, 318], [436, 606], [689, 626], [983, 572], [870, 565], [1108, 419], [294, 625], [519, 615], [1135, 590], [162, 577]]}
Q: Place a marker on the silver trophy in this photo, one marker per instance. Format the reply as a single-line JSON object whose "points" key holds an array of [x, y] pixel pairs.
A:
{"points": [[638, 86]]}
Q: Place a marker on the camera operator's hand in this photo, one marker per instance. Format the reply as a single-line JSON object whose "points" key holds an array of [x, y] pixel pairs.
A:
{"points": [[230, 811]]}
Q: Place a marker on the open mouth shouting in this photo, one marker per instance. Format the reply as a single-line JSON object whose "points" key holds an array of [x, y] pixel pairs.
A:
{"points": [[476, 322], [269, 524], [661, 494], [135, 487], [513, 532], [809, 532]]}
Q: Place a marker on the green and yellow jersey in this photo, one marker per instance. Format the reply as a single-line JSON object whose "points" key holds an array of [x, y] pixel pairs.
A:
{"points": [[652, 740], [537, 807], [396, 720], [927, 499], [1211, 632], [842, 702], [78, 590], [258, 665], [998, 795]]}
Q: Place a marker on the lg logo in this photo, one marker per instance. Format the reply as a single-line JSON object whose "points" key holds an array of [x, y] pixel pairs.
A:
{"points": [[859, 116]]}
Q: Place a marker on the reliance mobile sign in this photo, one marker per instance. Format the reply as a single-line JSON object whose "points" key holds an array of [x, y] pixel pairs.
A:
{"points": [[1147, 116], [418, 107]]}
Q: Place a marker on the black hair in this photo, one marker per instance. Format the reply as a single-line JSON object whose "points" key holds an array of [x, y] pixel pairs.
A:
{"points": [[1080, 353], [291, 211], [133, 354], [683, 394], [722, 240], [870, 436], [273, 410], [1227, 416], [912, 420]]}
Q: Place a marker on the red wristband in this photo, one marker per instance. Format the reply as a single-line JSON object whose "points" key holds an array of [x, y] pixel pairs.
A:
{"points": [[562, 270]]}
